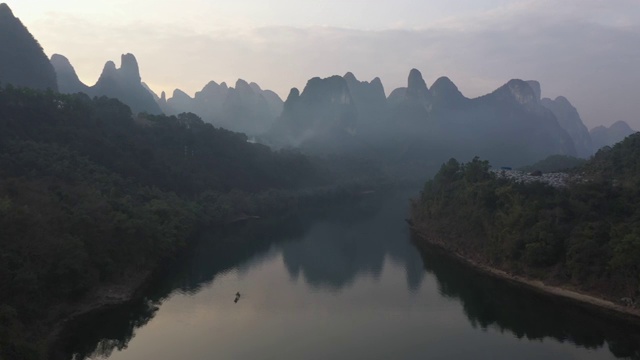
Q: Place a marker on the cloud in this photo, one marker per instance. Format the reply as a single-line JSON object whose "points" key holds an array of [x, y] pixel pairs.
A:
{"points": [[585, 50]]}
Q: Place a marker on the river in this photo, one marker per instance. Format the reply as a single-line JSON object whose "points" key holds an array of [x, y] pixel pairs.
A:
{"points": [[347, 284]]}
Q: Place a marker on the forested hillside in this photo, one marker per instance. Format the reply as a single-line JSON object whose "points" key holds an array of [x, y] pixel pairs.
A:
{"points": [[584, 235], [91, 195]]}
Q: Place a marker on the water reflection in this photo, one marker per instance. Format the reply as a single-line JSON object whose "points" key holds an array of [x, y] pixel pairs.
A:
{"points": [[489, 302], [99, 334], [116, 328], [347, 280], [328, 250], [334, 252]]}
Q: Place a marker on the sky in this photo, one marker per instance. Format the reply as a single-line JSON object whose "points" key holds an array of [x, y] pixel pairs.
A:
{"points": [[585, 50]]}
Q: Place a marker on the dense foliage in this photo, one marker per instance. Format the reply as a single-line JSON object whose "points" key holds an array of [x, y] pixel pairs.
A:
{"points": [[585, 235], [91, 195]]}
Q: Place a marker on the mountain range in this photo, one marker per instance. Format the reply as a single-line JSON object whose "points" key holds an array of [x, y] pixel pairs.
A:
{"points": [[512, 125], [244, 108], [607, 136], [124, 83], [569, 119]]}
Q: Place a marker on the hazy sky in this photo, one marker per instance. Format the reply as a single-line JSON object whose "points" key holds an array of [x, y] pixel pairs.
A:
{"points": [[586, 50]]}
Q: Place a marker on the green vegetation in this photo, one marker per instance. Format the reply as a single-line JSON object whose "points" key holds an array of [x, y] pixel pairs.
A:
{"points": [[91, 195], [584, 236]]}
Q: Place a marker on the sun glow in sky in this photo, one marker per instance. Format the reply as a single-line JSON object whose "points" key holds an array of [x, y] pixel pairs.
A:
{"points": [[586, 50]]}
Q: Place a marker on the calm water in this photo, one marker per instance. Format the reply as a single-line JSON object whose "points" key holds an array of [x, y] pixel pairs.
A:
{"points": [[346, 286]]}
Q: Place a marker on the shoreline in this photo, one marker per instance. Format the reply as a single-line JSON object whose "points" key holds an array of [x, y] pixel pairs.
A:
{"points": [[132, 288], [108, 296], [600, 305], [100, 299]]}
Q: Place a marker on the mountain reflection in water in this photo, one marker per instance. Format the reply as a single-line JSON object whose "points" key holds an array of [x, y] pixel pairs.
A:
{"points": [[343, 284]]}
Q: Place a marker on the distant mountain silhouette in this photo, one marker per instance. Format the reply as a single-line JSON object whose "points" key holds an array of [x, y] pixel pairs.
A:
{"points": [[178, 101], [446, 94], [607, 136], [420, 126], [124, 84], [244, 108], [68, 81], [514, 117], [274, 101], [570, 120], [22, 60], [412, 103], [369, 99], [155, 96], [323, 115], [508, 126]]}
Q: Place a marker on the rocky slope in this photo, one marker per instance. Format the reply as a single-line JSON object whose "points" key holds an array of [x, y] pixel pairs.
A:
{"points": [[570, 120], [244, 108], [22, 60], [124, 83], [608, 136]]}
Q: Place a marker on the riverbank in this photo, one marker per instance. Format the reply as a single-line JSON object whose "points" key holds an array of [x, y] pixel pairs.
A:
{"points": [[134, 288], [99, 299], [628, 314]]}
